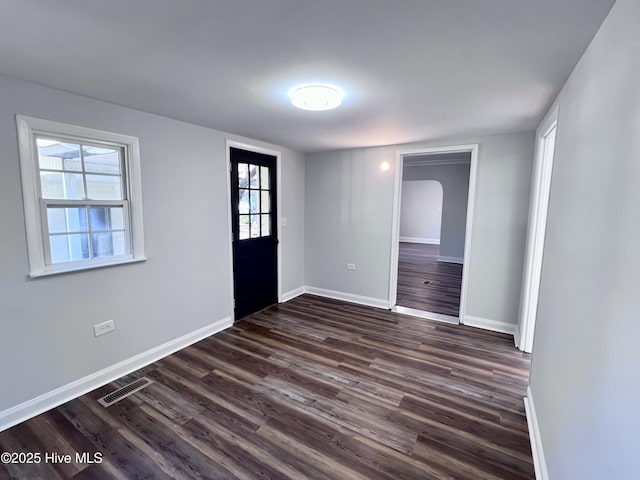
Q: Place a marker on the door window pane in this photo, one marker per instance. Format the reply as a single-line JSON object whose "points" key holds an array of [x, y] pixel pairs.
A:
{"points": [[255, 201], [253, 171], [264, 203], [244, 227], [243, 175], [243, 206], [264, 178], [255, 226], [266, 225]]}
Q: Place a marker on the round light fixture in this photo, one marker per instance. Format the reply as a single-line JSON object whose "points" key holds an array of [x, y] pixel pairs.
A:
{"points": [[384, 166], [316, 97]]}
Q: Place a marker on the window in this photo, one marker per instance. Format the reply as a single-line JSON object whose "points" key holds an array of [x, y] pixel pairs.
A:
{"points": [[254, 201], [82, 198]]}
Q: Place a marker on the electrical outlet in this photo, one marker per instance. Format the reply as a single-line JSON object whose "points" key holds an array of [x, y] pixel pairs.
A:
{"points": [[104, 327], [351, 266]]}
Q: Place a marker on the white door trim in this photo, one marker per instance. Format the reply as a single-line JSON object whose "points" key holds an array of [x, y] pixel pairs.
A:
{"points": [[395, 227], [278, 155], [536, 229]]}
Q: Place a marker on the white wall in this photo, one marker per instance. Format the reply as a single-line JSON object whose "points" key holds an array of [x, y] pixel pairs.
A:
{"points": [[46, 338], [584, 374], [421, 215], [349, 217], [455, 183], [292, 210]]}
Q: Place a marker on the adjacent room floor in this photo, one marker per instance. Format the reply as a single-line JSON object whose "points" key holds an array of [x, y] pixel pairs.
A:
{"points": [[417, 264], [312, 388]]}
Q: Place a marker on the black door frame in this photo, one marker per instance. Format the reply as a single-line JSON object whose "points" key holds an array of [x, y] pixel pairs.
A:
{"points": [[275, 153]]}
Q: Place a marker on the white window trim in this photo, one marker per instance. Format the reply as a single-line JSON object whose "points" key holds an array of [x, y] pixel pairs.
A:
{"points": [[28, 128]]}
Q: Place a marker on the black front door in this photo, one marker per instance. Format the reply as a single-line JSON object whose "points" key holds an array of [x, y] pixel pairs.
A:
{"points": [[255, 239]]}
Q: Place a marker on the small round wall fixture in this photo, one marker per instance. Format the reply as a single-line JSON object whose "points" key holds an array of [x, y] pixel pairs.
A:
{"points": [[316, 97], [384, 166]]}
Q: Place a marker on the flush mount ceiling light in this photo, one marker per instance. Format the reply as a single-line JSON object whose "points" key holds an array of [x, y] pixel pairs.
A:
{"points": [[316, 97]]}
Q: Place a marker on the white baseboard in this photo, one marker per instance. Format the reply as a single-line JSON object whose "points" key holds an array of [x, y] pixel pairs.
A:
{"points": [[54, 398], [459, 260], [291, 294], [516, 337], [349, 297], [426, 241], [493, 325], [539, 462]]}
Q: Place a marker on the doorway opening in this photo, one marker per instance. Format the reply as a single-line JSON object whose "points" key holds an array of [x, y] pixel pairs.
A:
{"points": [[253, 220], [434, 196]]}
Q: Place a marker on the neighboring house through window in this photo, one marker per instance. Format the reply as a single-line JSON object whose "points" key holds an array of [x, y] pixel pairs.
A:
{"points": [[82, 196]]}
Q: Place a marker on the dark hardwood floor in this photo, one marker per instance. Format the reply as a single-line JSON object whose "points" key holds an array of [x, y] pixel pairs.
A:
{"points": [[313, 388], [418, 263]]}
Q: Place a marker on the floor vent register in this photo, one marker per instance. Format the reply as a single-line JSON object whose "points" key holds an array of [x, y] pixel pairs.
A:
{"points": [[124, 392]]}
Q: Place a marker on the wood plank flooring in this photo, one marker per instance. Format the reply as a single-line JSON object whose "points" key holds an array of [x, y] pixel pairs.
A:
{"points": [[417, 263], [310, 389]]}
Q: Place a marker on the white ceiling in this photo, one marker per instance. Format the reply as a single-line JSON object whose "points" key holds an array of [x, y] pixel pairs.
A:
{"points": [[412, 69]]}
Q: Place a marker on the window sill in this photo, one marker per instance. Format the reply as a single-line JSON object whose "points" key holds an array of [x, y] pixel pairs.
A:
{"points": [[79, 268]]}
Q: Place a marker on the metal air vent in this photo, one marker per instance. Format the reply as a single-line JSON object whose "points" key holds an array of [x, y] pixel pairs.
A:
{"points": [[124, 392]]}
